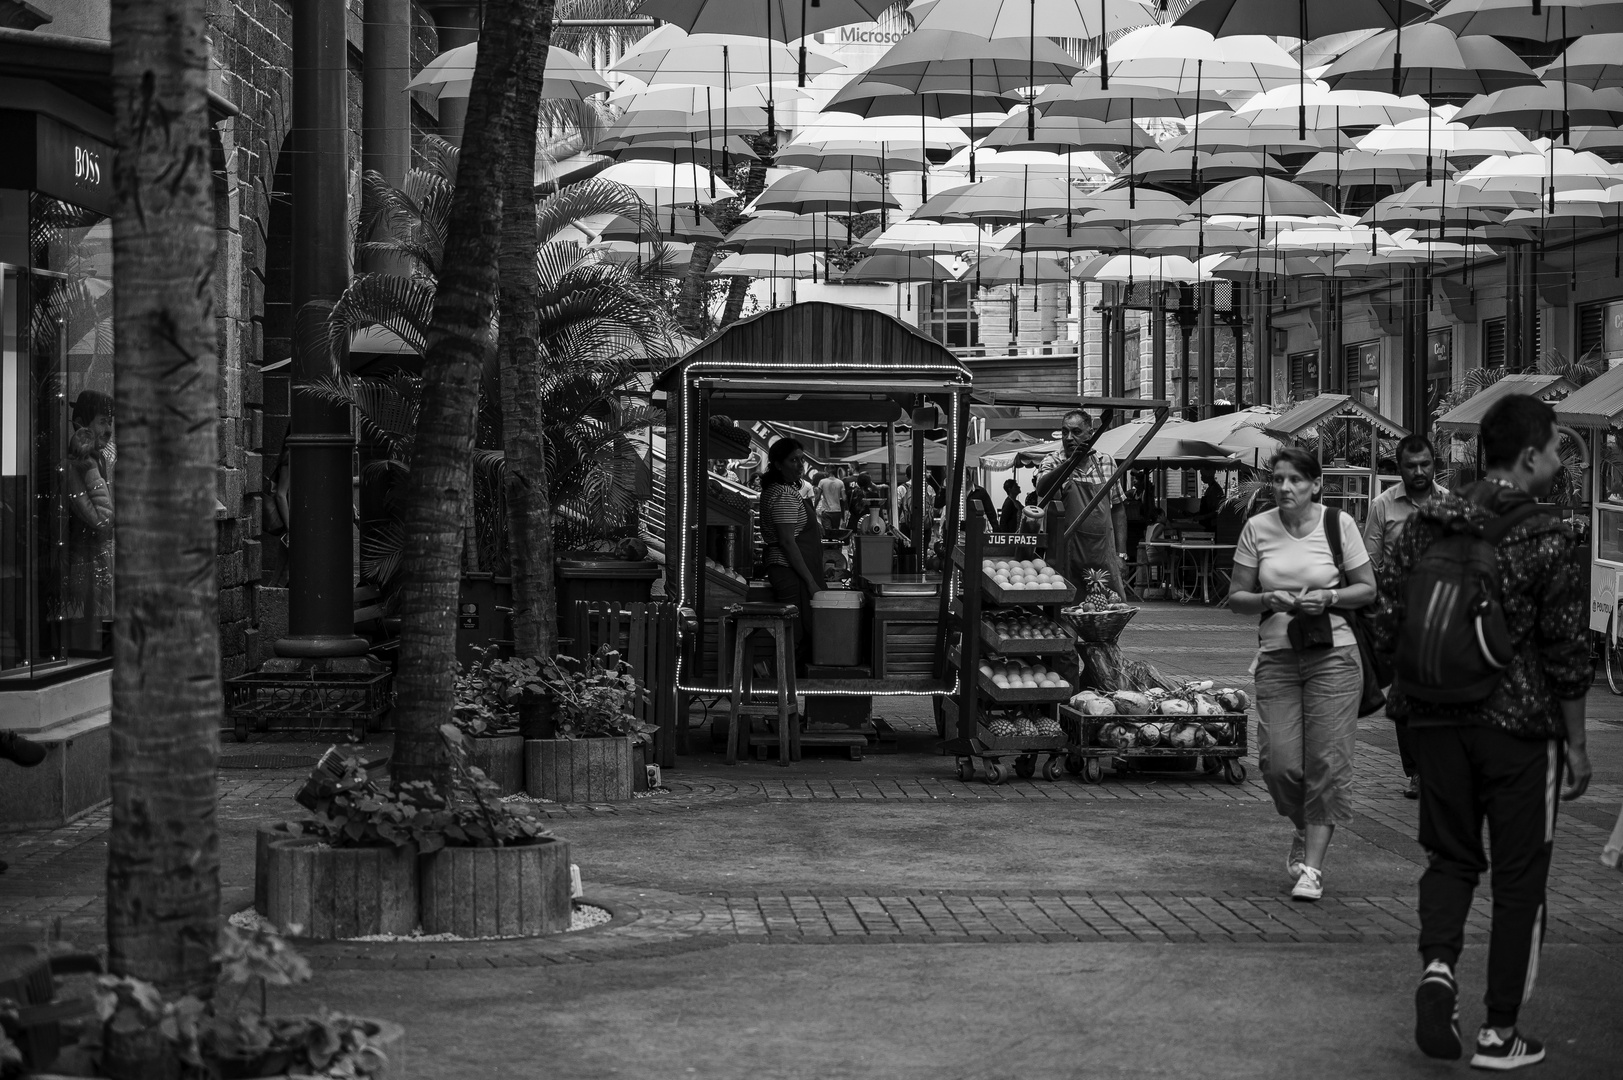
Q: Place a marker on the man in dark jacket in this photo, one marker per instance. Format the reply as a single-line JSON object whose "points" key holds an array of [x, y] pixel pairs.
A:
{"points": [[1500, 758]]}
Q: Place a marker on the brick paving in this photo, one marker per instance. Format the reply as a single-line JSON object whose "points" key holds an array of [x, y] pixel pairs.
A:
{"points": [[56, 875]]}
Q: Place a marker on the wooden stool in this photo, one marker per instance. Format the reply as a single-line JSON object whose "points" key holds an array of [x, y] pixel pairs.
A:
{"points": [[745, 620]]}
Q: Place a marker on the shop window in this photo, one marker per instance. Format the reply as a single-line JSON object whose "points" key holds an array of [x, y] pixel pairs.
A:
{"points": [[1439, 367], [1600, 331], [947, 314], [1362, 362], [57, 453]]}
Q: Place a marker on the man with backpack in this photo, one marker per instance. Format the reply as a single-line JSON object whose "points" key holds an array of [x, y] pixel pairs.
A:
{"points": [[1483, 608]]}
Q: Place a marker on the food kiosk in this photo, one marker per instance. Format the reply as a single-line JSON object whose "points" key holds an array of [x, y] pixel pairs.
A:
{"points": [[1596, 412], [1347, 428], [1464, 421]]}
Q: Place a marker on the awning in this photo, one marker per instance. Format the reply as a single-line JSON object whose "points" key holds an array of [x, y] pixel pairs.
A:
{"points": [[1598, 404], [1315, 411], [1466, 418]]}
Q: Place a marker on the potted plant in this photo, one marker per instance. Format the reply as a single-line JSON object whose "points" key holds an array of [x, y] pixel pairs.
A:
{"points": [[599, 748], [381, 860], [488, 694], [231, 1035]]}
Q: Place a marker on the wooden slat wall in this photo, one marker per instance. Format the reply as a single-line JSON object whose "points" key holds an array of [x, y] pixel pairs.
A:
{"points": [[646, 635], [1034, 375], [816, 333]]}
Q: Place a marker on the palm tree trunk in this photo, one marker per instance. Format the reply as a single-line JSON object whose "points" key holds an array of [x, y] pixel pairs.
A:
{"points": [[529, 505], [439, 486], [163, 858]]}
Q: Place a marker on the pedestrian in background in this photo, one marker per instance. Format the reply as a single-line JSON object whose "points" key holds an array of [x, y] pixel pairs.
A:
{"points": [[1490, 748], [1417, 465], [1309, 675], [1008, 515], [831, 500]]}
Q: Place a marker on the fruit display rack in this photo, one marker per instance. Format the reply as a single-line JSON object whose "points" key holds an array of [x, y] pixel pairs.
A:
{"points": [[1086, 757], [975, 722]]}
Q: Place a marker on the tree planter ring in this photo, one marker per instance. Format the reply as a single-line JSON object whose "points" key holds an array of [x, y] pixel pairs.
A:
{"points": [[333, 892], [267, 833], [521, 890], [581, 770], [500, 757]]}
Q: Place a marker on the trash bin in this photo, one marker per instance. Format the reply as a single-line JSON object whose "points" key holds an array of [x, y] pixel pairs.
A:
{"points": [[837, 627]]}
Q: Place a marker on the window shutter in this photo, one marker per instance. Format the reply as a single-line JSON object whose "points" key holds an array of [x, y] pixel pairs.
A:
{"points": [[1493, 343]]}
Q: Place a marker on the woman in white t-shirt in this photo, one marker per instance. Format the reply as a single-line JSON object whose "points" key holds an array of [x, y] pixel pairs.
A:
{"points": [[1310, 678]]}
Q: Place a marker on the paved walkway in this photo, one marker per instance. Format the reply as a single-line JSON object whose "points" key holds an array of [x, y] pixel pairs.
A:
{"points": [[727, 888]]}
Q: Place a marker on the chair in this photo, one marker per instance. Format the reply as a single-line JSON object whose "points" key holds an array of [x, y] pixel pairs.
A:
{"points": [[739, 623]]}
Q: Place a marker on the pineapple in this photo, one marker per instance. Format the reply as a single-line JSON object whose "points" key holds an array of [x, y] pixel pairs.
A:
{"points": [[1025, 728], [1098, 595], [1001, 728]]}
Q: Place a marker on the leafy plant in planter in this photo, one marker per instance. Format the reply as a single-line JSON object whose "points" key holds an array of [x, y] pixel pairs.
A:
{"points": [[488, 693], [593, 698], [225, 1038], [353, 810]]}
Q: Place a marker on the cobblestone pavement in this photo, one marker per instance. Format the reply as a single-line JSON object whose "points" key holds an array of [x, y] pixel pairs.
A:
{"points": [[56, 876]]}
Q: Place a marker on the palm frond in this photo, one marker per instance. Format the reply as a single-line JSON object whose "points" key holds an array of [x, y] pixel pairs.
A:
{"points": [[403, 306], [589, 197]]}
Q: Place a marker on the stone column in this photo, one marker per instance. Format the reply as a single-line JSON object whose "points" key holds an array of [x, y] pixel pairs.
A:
{"points": [[992, 307]]}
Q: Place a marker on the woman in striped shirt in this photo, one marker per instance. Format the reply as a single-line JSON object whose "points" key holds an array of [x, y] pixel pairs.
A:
{"points": [[793, 538]]}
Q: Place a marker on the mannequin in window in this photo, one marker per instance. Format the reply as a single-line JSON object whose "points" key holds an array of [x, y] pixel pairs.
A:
{"points": [[90, 520]]}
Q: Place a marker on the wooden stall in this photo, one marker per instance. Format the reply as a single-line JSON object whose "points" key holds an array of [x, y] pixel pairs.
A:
{"points": [[1330, 416]]}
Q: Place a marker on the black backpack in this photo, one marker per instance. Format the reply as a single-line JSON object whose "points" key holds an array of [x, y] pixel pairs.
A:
{"points": [[1454, 645]]}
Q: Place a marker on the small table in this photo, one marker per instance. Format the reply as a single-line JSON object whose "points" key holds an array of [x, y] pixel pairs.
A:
{"points": [[1203, 552]]}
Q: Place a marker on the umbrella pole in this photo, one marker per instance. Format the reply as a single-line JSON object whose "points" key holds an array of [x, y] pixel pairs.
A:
{"points": [[802, 42], [1132, 190], [1338, 159], [1301, 74], [1031, 73], [1397, 56], [1104, 48], [693, 153], [924, 155], [1194, 147], [726, 89], [710, 140], [1566, 115], [884, 188], [1431, 89], [771, 104], [972, 103]]}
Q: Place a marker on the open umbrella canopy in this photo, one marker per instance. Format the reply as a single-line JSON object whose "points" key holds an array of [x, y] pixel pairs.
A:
{"points": [[669, 123], [1557, 168], [1435, 63], [1185, 60], [680, 150], [1085, 98], [1146, 206], [1547, 20], [930, 236], [1264, 196], [809, 192], [1141, 268], [1001, 65], [1176, 165], [888, 131], [567, 77], [891, 266], [1057, 235], [1028, 164], [1459, 142], [1052, 18], [873, 98], [670, 55], [1011, 267], [1234, 131], [1305, 19], [1189, 238], [633, 97], [786, 235], [1001, 199], [1066, 134], [782, 20], [623, 228], [1388, 168], [661, 183], [1326, 109], [1168, 447], [755, 264], [1595, 61], [1007, 443], [1240, 266], [1549, 106]]}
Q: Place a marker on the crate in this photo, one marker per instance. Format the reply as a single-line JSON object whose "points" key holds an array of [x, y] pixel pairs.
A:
{"points": [[1026, 743], [1015, 646], [308, 700]]}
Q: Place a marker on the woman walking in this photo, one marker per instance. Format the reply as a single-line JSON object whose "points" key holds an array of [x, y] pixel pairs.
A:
{"points": [[793, 538], [1308, 671]]}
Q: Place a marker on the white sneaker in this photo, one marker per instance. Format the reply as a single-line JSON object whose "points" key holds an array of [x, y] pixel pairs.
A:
{"points": [[1310, 886], [1295, 861]]}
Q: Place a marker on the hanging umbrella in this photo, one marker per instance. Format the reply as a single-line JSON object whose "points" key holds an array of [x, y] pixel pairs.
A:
{"points": [[849, 155], [629, 252], [1188, 239], [623, 228], [1140, 268], [666, 123], [1007, 443], [1148, 206], [1434, 62], [1028, 164], [1266, 196], [1326, 109], [1234, 131], [1058, 236], [670, 55], [1013, 268], [1545, 107], [785, 235], [893, 266], [809, 192], [661, 183], [1163, 165], [1388, 168], [1595, 61], [1053, 18], [1557, 170], [1459, 142], [807, 264], [1066, 134], [681, 151], [1084, 98], [568, 77], [1000, 65], [933, 236], [1531, 20], [1185, 60], [1000, 199], [905, 132], [777, 20], [1268, 264]]}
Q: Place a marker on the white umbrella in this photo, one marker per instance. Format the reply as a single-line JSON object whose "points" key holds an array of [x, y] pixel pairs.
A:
{"points": [[1024, 164], [1189, 61], [662, 183], [670, 55], [807, 264], [929, 236], [568, 76], [1455, 140], [1145, 268], [1327, 108]]}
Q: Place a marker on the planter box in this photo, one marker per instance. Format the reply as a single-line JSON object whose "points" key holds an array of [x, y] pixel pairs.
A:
{"points": [[581, 770], [500, 757], [517, 891], [340, 892], [268, 833]]}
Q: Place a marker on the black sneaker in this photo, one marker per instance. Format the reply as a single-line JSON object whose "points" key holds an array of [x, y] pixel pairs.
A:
{"points": [[1437, 1013], [25, 752], [1492, 1052], [1413, 790]]}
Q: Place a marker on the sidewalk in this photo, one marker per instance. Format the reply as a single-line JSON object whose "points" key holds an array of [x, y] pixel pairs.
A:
{"points": [[1138, 927]]}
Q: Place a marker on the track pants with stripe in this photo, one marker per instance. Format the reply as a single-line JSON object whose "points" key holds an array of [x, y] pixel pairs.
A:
{"points": [[1469, 775]]}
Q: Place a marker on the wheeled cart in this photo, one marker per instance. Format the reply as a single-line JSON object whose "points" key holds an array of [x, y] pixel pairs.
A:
{"points": [[1086, 755]]}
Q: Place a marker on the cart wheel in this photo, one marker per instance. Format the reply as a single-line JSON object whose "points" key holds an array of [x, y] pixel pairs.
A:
{"points": [[1093, 771], [856, 753], [1614, 663], [940, 718], [966, 769], [995, 772], [242, 730], [1234, 771], [1073, 764], [1053, 768], [1211, 766], [1025, 766]]}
